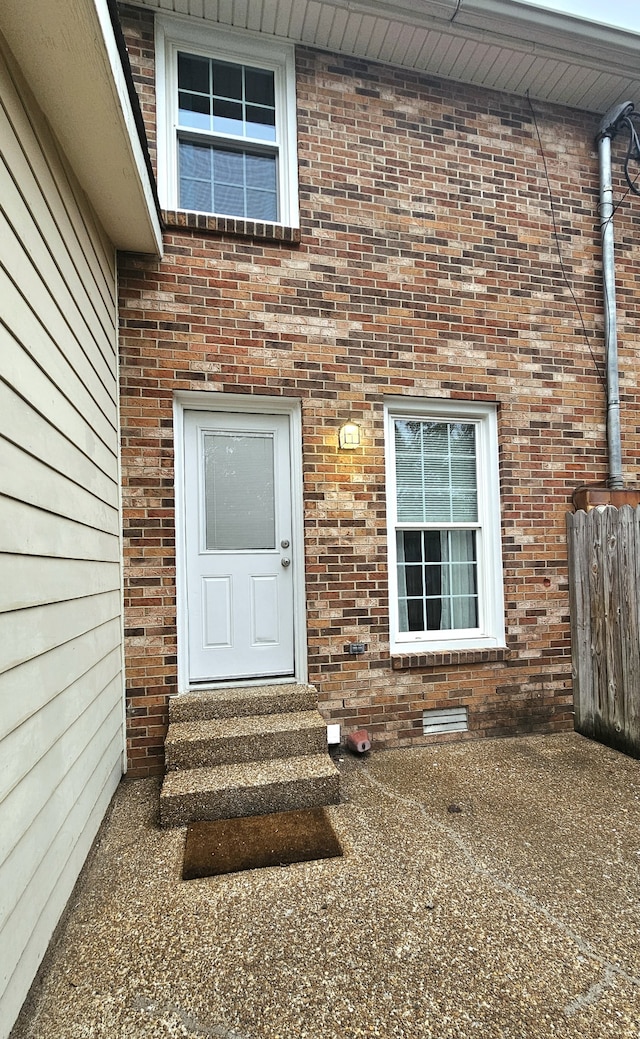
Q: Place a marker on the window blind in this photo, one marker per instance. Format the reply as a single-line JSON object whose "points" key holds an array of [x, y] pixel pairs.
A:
{"points": [[436, 477]]}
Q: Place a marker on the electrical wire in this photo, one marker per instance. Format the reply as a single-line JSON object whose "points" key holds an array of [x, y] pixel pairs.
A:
{"points": [[456, 12], [597, 366], [633, 151], [631, 184], [616, 205]]}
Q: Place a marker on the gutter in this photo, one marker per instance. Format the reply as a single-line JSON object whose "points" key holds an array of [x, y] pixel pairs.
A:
{"points": [[496, 21]]}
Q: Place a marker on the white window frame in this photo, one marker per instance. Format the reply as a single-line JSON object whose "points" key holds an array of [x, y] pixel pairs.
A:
{"points": [[175, 34], [490, 633]]}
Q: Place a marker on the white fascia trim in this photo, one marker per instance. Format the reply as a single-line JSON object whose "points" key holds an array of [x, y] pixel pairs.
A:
{"points": [[516, 25], [501, 18], [493, 635], [172, 34], [124, 103], [68, 54], [528, 12], [245, 403]]}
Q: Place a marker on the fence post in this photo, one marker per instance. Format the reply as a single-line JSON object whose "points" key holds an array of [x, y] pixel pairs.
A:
{"points": [[604, 595]]}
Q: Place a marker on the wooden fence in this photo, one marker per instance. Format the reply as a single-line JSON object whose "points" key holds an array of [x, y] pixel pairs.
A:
{"points": [[604, 591]]}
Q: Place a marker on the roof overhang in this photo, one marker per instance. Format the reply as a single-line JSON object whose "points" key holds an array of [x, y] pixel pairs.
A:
{"points": [[68, 54], [508, 45]]}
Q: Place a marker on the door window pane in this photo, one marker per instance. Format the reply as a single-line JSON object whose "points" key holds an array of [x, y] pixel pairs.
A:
{"points": [[239, 491]]}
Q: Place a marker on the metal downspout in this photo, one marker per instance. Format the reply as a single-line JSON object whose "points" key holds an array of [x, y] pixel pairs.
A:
{"points": [[611, 123], [615, 480]]}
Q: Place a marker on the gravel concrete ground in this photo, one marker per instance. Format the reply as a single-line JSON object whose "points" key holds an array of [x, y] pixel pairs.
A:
{"points": [[487, 889]]}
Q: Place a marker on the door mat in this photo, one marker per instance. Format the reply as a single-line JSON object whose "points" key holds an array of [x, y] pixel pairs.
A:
{"points": [[252, 842]]}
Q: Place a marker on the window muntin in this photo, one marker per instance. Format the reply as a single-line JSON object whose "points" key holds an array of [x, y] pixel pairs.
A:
{"points": [[436, 484], [226, 101], [224, 98], [231, 183], [437, 580], [435, 471], [444, 526], [226, 124]]}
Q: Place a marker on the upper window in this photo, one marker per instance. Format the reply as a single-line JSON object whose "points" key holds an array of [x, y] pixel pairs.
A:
{"points": [[226, 124], [444, 526]]}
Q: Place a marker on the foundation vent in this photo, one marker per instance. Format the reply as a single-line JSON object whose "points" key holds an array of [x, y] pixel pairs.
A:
{"points": [[450, 719]]}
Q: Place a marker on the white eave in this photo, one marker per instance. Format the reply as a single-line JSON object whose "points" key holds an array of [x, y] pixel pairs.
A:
{"points": [[506, 45], [68, 54]]}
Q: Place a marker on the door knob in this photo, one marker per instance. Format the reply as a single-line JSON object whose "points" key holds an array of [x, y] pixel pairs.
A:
{"points": [[285, 562]]}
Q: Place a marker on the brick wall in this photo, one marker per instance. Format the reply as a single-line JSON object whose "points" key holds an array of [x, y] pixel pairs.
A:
{"points": [[139, 32], [426, 266]]}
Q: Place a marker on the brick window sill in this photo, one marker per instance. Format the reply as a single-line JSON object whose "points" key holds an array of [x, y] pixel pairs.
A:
{"points": [[176, 219], [450, 658]]}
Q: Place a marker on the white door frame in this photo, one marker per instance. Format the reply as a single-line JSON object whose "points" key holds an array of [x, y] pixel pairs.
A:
{"points": [[253, 405]]}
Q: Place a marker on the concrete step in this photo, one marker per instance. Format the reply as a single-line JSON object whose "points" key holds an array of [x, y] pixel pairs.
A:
{"points": [[234, 702], [254, 788], [225, 741]]}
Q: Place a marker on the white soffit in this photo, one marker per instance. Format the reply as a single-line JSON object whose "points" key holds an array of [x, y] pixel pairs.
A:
{"points": [[502, 45], [68, 54]]}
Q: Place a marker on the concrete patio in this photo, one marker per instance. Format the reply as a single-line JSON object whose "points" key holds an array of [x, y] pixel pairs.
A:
{"points": [[487, 888]]}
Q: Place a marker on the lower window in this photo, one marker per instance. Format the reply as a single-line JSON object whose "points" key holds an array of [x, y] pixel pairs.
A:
{"points": [[437, 580], [212, 180], [444, 526]]}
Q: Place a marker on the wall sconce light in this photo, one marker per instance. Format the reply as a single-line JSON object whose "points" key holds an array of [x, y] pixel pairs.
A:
{"points": [[349, 436]]}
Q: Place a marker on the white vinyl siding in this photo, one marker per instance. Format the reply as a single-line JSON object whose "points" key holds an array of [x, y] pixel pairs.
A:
{"points": [[445, 571], [61, 676]]}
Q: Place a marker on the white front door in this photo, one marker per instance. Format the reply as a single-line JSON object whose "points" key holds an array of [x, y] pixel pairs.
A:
{"points": [[238, 546]]}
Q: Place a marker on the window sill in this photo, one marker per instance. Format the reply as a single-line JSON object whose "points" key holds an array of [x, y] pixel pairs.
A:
{"points": [[447, 658], [202, 223]]}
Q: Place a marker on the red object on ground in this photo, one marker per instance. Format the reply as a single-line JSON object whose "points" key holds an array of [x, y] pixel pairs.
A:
{"points": [[359, 741]]}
